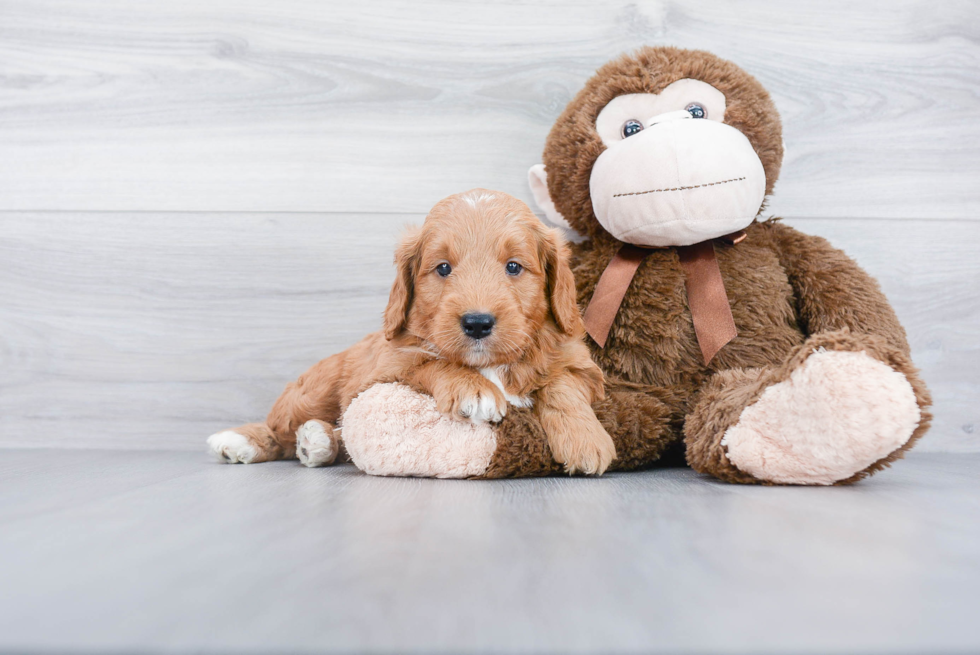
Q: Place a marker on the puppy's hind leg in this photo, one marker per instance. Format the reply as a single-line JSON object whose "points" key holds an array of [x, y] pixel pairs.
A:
{"points": [[247, 444], [302, 414], [317, 443], [303, 419]]}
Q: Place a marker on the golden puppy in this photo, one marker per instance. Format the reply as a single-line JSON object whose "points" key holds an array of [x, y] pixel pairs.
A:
{"points": [[482, 313]]}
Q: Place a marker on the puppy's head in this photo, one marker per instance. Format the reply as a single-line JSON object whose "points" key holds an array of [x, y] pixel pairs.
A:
{"points": [[480, 278]]}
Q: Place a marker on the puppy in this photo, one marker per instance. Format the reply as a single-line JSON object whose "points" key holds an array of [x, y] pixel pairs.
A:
{"points": [[482, 313]]}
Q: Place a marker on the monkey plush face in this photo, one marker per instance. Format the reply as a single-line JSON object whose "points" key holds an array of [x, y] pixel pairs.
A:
{"points": [[666, 147], [672, 173]]}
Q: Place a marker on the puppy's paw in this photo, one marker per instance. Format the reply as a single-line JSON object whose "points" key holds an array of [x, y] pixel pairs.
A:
{"points": [[231, 448], [588, 449], [476, 400], [316, 444], [482, 408]]}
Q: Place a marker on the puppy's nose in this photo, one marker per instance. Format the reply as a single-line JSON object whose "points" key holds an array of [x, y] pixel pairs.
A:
{"points": [[477, 326]]}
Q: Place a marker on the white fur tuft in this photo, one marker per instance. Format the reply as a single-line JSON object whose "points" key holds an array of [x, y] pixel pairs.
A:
{"points": [[493, 374], [475, 198]]}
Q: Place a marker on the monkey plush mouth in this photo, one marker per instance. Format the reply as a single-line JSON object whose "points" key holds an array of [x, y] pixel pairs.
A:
{"points": [[679, 188]]}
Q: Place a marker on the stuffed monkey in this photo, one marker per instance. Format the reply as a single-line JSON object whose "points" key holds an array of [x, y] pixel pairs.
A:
{"points": [[764, 354]]}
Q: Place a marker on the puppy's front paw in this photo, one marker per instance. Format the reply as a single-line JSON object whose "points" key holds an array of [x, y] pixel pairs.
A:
{"points": [[476, 401], [482, 408], [589, 449]]}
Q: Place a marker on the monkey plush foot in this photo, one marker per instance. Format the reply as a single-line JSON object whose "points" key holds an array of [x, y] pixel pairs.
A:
{"points": [[841, 407], [391, 429], [836, 415]]}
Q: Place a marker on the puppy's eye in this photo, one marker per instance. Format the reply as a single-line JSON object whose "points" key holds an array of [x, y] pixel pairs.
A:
{"points": [[513, 268], [631, 127], [444, 269], [697, 110]]}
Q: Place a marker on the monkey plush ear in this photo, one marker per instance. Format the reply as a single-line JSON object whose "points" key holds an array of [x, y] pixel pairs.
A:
{"points": [[538, 179], [400, 299]]}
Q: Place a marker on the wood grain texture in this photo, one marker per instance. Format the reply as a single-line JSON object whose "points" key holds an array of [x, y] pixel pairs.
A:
{"points": [[153, 330], [134, 328], [390, 105], [174, 553]]}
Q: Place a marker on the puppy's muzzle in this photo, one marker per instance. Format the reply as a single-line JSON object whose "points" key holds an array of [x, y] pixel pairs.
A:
{"points": [[477, 326]]}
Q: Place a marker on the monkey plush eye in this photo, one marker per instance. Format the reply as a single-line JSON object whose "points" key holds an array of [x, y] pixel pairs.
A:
{"points": [[631, 127], [444, 269], [696, 110], [513, 268]]}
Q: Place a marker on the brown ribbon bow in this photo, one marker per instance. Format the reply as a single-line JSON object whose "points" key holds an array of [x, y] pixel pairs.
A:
{"points": [[710, 310]]}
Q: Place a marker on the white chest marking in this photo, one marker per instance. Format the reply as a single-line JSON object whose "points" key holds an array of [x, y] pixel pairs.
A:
{"points": [[493, 375]]}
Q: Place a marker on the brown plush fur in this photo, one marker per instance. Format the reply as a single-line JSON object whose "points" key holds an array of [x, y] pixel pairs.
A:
{"points": [[630, 413], [789, 293], [536, 344]]}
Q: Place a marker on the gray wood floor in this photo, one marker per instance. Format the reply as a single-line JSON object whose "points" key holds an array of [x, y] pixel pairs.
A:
{"points": [[169, 552]]}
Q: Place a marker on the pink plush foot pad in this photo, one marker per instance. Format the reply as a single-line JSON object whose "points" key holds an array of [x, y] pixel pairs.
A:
{"points": [[836, 415], [391, 429]]}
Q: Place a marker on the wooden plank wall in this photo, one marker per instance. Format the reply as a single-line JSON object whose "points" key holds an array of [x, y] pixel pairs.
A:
{"points": [[199, 198]]}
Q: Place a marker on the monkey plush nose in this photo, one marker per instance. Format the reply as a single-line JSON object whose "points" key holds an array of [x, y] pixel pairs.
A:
{"points": [[477, 326], [669, 116]]}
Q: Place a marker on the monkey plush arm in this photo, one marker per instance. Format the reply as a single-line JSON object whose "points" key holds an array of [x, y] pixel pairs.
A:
{"points": [[641, 425], [832, 291], [749, 424], [393, 429]]}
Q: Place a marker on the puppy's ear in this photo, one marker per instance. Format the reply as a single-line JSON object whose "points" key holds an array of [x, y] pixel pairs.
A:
{"points": [[400, 301], [561, 283]]}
